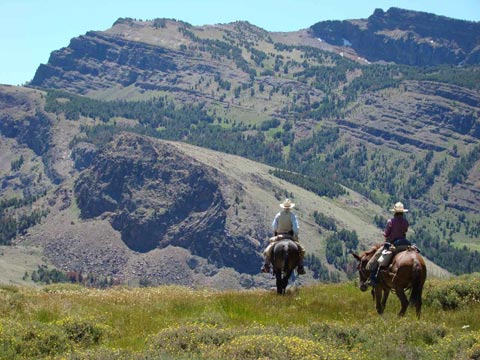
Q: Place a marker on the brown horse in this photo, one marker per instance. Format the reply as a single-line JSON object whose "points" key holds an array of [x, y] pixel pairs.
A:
{"points": [[406, 271]]}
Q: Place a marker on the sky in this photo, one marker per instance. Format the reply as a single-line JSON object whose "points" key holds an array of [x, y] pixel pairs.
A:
{"points": [[31, 29]]}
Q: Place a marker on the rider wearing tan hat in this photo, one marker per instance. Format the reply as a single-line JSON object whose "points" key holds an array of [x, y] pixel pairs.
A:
{"points": [[397, 226], [395, 234]]}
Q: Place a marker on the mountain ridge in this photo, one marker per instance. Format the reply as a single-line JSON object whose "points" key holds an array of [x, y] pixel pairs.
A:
{"points": [[408, 37]]}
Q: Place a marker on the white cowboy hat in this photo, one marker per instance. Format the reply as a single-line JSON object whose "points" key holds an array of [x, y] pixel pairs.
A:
{"points": [[287, 204], [398, 208]]}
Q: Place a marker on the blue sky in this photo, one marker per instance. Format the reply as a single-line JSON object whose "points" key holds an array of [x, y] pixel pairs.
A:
{"points": [[31, 29]]}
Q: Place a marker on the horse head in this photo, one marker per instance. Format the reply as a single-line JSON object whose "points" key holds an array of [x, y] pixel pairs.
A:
{"points": [[363, 259]]}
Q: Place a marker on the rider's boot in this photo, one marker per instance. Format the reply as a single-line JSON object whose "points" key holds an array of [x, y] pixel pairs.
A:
{"points": [[373, 277], [300, 269], [266, 266]]}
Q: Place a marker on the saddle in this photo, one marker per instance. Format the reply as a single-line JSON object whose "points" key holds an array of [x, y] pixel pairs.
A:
{"points": [[280, 237], [390, 251]]}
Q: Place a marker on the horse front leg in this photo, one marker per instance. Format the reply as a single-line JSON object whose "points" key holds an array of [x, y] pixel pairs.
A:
{"points": [[403, 300], [378, 300], [386, 292]]}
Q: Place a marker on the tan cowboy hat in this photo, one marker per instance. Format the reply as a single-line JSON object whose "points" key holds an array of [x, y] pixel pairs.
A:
{"points": [[398, 208], [287, 204]]}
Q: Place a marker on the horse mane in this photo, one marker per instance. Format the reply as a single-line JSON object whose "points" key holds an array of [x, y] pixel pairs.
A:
{"points": [[373, 250]]}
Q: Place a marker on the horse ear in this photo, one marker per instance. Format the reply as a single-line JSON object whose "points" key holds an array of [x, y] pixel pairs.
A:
{"points": [[356, 256]]}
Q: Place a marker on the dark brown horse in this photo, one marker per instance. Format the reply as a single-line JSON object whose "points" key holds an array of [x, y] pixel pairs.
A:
{"points": [[284, 260], [406, 271]]}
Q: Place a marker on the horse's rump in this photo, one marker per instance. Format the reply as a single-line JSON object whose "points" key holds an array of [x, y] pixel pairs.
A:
{"points": [[409, 269], [407, 258], [285, 255]]}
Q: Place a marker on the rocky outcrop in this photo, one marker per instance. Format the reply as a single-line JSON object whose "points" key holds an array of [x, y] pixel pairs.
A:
{"points": [[83, 155], [22, 118], [33, 131], [157, 197], [102, 61], [406, 37]]}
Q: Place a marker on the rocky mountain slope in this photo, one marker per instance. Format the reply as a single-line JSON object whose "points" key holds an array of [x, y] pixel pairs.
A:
{"points": [[166, 212], [407, 37], [104, 175], [142, 209]]}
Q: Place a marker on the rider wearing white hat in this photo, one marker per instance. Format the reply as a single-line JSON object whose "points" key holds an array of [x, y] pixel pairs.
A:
{"points": [[284, 224]]}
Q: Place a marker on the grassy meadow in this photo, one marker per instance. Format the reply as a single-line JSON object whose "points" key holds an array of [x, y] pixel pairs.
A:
{"points": [[324, 321]]}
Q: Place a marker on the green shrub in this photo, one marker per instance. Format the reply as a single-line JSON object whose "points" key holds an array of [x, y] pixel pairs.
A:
{"points": [[421, 333], [474, 352], [276, 347], [454, 346], [31, 340], [208, 341], [339, 334], [84, 332], [191, 338], [45, 315], [104, 353], [452, 294], [11, 300]]}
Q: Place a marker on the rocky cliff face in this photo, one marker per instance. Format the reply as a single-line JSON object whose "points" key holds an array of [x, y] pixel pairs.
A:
{"points": [[156, 197], [23, 119], [100, 61], [406, 37], [423, 110]]}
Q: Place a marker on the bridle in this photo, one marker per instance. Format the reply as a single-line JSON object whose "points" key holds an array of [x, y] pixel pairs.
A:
{"points": [[361, 269]]}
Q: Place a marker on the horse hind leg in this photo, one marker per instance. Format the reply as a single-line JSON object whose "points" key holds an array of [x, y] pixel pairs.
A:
{"points": [[386, 293], [280, 286], [403, 300], [416, 298], [285, 283], [378, 300], [418, 281], [418, 308]]}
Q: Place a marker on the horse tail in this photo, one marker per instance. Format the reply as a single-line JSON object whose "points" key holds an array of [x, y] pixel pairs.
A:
{"points": [[285, 258], [417, 283]]}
